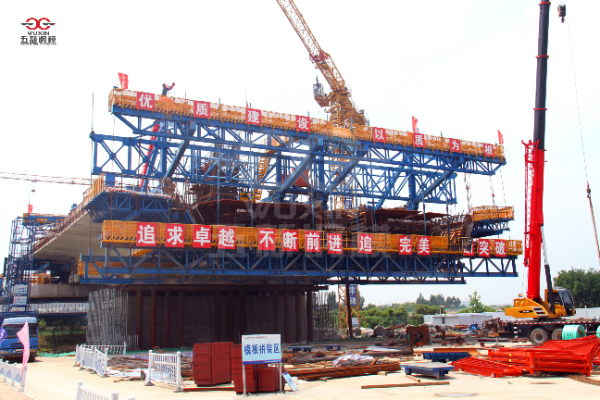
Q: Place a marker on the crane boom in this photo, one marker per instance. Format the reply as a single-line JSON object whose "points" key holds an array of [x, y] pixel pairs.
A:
{"points": [[45, 179], [341, 106]]}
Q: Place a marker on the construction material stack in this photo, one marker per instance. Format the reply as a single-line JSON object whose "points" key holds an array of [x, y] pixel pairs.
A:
{"points": [[212, 363]]}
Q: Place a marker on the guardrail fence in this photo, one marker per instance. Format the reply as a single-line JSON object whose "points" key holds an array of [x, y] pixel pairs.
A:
{"points": [[12, 373], [87, 394], [92, 359], [165, 368]]}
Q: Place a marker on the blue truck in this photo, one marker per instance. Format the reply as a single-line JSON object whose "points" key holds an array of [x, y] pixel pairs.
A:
{"points": [[11, 347]]}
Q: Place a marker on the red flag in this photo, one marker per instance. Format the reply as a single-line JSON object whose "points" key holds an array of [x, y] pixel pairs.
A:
{"points": [[124, 79], [23, 336], [500, 138], [415, 124], [30, 209]]}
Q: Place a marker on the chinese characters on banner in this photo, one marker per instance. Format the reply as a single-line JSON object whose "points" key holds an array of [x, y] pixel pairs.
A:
{"points": [[418, 140], [334, 243], [174, 235], [146, 233], [455, 146], [423, 245], [124, 81], [226, 237], [404, 245], [500, 247], [261, 349], [145, 101], [379, 135], [365, 243], [484, 248], [266, 239], [253, 116], [289, 240], [468, 249], [202, 109], [353, 295], [201, 236], [312, 241], [302, 123], [488, 150]]}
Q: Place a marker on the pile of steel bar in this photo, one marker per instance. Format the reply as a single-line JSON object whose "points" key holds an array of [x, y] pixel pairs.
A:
{"points": [[309, 374], [562, 356], [486, 367]]}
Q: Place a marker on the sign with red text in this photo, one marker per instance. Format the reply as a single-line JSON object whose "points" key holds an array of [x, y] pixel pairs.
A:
{"points": [[146, 234], [202, 109], [174, 235], [226, 237], [404, 245], [266, 239], [289, 240], [365, 243], [201, 236], [145, 101]]}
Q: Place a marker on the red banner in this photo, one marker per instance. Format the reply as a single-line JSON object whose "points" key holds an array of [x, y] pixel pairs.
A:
{"points": [[424, 246], [468, 250], [202, 109], [146, 234], [266, 239], [334, 243], [365, 243], [253, 116], [404, 245], [302, 123], [175, 234], [500, 247], [312, 241], [124, 80], [455, 146], [418, 140], [483, 248], [500, 138], [414, 121], [289, 240], [226, 237], [202, 237], [379, 135], [488, 150], [145, 101]]}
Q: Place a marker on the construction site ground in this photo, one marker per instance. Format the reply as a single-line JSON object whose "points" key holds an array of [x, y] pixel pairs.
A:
{"points": [[56, 379]]}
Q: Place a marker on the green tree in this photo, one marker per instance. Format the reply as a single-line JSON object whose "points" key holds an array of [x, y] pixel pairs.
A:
{"points": [[476, 305], [436, 299], [583, 285], [421, 299], [361, 301]]}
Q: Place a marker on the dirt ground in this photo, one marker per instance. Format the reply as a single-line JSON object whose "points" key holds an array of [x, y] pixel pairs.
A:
{"points": [[56, 379]]}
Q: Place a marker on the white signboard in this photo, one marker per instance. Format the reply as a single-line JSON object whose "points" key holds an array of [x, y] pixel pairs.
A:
{"points": [[20, 300], [20, 290], [261, 349], [354, 321]]}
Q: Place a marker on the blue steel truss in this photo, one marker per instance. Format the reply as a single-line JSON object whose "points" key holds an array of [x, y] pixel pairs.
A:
{"points": [[194, 266], [203, 151]]}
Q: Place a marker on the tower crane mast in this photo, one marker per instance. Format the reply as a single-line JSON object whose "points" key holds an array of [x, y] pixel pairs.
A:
{"points": [[339, 103]]}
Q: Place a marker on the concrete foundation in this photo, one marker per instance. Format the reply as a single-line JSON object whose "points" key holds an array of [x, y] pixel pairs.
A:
{"points": [[172, 317]]}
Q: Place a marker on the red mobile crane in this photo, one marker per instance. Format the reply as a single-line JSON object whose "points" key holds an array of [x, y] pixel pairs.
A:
{"points": [[545, 315]]}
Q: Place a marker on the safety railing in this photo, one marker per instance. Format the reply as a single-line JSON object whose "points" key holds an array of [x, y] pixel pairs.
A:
{"points": [[126, 233], [92, 359], [13, 374], [60, 308], [223, 112], [99, 185], [492, 212], [165, 368], [88, 394]]}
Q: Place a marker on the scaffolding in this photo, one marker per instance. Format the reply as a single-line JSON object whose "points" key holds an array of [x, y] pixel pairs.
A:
{"points": [[107, 318]]}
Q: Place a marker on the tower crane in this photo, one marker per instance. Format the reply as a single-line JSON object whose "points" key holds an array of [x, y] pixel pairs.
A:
{"points": [[45, 179], [338, 101]]}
